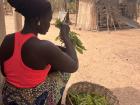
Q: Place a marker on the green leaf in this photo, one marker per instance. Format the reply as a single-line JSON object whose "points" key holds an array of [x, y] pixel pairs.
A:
{"points": [[79, 50], [58, 23], [57, 38], [73, 37]]}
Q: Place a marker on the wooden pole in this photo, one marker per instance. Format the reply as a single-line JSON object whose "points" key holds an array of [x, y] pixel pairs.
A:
{"points": [[77, 7], [107, 16], [97, 20], [108, 22], [65, 5], [2, 22], [2, 34], [112, 20]]}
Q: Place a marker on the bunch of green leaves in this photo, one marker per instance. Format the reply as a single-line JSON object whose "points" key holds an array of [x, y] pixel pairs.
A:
{"points": [[87, 99], [58, 23], [73, 37]]}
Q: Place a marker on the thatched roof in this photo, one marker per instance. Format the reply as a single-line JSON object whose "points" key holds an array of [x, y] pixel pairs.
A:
{"points": [[125, 1]]}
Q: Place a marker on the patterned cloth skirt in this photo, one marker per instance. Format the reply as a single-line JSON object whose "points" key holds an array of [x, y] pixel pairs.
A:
{"points": [[47, 93]]}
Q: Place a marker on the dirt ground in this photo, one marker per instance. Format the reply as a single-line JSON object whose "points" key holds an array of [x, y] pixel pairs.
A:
{"points": [[112, 59]]}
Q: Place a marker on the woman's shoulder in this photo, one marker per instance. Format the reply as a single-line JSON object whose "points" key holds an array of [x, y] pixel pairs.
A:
{"points": [[8, 36], [36, 44], [7, 46], [8, 39], [48, 45], [43, 48]]}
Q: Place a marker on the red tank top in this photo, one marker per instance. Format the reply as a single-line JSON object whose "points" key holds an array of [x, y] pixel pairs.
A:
{"points": [[17, 73]]}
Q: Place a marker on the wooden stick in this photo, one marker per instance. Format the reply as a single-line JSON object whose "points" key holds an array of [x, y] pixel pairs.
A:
{"points": [[108, 22], [113, 22]]}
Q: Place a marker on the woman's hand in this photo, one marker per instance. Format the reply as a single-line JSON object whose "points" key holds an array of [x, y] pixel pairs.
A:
{"points": [[64, 31], [62, 48]]}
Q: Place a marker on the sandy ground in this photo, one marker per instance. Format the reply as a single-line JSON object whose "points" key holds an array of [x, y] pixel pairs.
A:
{"points": [[112, 60]]}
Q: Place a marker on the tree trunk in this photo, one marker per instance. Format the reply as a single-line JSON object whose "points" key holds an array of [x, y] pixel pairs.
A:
{"points": [[58, 5], [65, 5], [77, 7], [2, 22], [18, 21], [87, 15], [2, 34]]}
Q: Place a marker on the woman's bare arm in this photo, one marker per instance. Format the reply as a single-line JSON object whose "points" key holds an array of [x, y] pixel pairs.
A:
{"points": [[63, 61]]}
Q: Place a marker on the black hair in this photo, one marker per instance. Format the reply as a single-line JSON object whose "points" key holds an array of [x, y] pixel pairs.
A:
{"points": [[31, 8]]}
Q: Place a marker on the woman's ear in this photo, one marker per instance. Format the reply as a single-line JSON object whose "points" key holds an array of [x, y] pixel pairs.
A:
{"points": [[38, 21]]}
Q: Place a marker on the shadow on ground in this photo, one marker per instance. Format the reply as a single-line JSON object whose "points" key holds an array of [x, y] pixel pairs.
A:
{"points": [[128, 95]]}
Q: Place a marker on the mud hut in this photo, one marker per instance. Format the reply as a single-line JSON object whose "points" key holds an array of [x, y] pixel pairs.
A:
{"points": [[129, 8], [105, 14]]}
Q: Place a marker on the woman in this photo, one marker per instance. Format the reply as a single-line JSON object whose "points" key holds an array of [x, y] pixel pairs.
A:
{"points": [[36, 71]]}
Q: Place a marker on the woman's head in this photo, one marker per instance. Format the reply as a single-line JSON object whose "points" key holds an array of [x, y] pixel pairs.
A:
{"points": [[36, 12]]}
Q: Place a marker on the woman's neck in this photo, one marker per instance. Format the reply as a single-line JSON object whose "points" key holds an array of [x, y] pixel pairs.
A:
{"points": [[26, 30], [29, 28]]}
